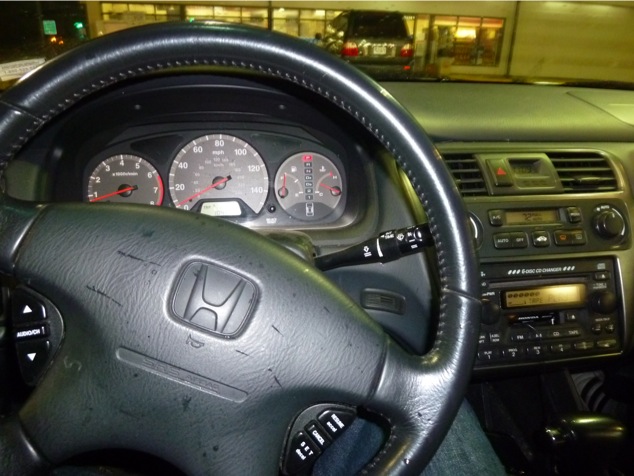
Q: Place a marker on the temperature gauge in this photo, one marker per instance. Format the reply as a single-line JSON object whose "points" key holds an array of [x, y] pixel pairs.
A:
{"points": [[309, 186]]}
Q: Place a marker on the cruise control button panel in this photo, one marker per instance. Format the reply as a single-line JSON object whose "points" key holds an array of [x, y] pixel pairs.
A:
{"points": [[37, 331], [311, 433]]}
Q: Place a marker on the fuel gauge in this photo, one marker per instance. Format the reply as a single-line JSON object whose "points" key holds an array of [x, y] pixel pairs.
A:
{"points": [[308, 186]]}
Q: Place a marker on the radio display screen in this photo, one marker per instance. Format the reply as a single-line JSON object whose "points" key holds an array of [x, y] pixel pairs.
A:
{"points": [[521, 217], [563, 294]]}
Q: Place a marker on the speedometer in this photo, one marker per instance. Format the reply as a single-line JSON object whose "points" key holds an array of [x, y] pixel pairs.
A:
{"points": [[219, 174]]}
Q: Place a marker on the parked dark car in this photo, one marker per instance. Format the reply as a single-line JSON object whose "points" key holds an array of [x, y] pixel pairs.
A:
{"points": [[376, 42]]}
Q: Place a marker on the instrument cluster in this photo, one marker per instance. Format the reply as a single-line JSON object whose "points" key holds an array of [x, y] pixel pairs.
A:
{"points": [[268, 178]]}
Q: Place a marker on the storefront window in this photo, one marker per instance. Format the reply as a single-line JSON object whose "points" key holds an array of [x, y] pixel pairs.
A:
{"points": [[286, 20], [440, 41], [312, 22], [199, 12], [139, 12], [468, 41], [255, 16], [228, 14], [421, 42]]}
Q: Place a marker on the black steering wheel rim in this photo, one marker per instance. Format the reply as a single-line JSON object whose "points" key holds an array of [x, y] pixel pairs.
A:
{"points": [[419, 420]]}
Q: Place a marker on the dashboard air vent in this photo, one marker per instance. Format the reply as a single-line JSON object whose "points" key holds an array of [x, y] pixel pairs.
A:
{"points": [[466, 174], [583, 172]]}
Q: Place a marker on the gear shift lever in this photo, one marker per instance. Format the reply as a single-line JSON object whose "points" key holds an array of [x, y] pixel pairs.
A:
{"points": [[584, 443]]}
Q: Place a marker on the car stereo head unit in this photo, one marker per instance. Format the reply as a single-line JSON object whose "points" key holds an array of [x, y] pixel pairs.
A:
{"points": [[538, 312]]}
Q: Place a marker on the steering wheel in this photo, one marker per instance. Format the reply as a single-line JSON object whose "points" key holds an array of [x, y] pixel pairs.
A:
{"points": [[146, 361]]}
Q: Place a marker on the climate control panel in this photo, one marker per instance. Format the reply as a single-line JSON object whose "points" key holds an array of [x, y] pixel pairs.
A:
{"points": [[522, 228]]}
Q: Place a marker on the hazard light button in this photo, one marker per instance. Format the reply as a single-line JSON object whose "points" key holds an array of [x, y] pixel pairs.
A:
{"points": [[501, 172]]}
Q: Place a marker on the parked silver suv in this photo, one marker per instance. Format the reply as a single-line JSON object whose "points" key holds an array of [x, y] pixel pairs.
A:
{"points": [[377, 42]]}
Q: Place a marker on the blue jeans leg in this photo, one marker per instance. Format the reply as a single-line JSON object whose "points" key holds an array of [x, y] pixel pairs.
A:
{"points": [[465, 451]]}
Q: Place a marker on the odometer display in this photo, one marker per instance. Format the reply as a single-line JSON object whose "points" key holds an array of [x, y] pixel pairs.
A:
{"points": [[217, 168]]}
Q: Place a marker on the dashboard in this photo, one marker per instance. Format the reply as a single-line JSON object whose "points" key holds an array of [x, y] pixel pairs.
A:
{"points": [[544, 172], [222, 173], [247, 164]]}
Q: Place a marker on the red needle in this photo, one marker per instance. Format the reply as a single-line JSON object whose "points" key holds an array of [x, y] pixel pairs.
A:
{"points": [[334, 190], [116, 192], [213, 185], [284, 182]]}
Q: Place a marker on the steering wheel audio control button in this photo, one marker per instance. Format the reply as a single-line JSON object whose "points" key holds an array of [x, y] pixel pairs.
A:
{"points": [[32, 358], [37, 332], [26, 309], [31, 332]]}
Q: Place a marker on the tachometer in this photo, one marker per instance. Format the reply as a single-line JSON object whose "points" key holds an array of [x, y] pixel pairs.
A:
{"points": [[125, 178], [221, 172]]}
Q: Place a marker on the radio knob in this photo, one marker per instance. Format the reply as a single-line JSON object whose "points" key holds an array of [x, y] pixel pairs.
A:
{"points": [[490, 312], [609, 223], [603, 302]]}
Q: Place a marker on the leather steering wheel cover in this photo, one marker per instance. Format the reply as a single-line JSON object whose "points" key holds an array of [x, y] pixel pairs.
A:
{"points": [[66, 80]]}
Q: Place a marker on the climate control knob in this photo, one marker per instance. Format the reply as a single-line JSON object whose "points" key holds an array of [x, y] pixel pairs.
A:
{"points": [[609, 223]]}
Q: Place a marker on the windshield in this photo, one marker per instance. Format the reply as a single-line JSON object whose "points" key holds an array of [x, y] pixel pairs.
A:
{"points": [[475, 41]]}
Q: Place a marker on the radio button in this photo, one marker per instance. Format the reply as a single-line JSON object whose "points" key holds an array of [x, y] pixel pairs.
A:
{"points": [[571, 316], [536, 335], [521, 336], [584, 345], [606, 344], [496, 217], [541, 239], [560, 348], [495, 337], [502, 241], [534, 350], [489, 355], [512, 353], [596, 328], [483, 339], [610, 328], [560, 333], [602, 276]]}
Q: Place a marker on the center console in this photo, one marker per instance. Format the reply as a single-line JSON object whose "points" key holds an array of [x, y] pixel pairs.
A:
{"points": [[550, 259]]}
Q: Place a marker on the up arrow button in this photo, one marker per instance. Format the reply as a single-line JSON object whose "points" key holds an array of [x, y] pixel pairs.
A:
{"points": [[26, 308]]}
